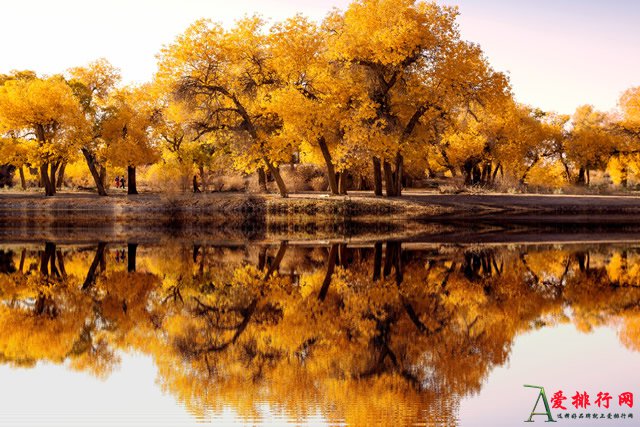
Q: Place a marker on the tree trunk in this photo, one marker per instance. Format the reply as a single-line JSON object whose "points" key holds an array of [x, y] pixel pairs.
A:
{"points": [[624, 179], [567, 171], [398, 174], [203, 178], [23, 182], [377, 261], [342, 183], [523, 178], [581, 177], [358, 183], [53, 167], [476, 174], [131, 257], [131, 180], [486, 173], [91, 274], [196, 189], [275, 265], [275, 172], [393, 259], [262, 258], [49, 190], [331, 264], [103, 176], [377, 177], [60, 178], [393, 181], [331, 170], [23, 257], [97, 178], [495, 173], [262, 180], [48, 258], [61, 263], [44, 179], [447, 163], [388, 179]]}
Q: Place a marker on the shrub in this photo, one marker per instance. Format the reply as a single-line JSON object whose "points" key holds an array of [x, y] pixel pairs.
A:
{"points": [[228, 183], [319, 183]]}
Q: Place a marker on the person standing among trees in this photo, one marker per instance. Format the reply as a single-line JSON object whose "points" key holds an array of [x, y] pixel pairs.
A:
{"points": [[117, 182]]}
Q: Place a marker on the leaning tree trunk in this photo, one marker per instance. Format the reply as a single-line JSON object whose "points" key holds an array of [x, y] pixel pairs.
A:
{"points": [[131, 180], [377, 177], [275, 172], [275, 265], [97, 177], [331, 265], [60, 178], [525, 174], [495, 173], [331, 170], [262, 180], [93, 268]]}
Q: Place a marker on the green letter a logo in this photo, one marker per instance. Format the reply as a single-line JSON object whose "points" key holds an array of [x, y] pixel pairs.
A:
{"points": [[542, 395]]}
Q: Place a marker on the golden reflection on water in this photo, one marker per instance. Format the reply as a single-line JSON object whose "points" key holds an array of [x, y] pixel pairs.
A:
{"points": [[383, 333]]}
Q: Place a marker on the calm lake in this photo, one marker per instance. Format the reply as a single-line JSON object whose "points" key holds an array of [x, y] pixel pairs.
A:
{"points": [[354, 333]]}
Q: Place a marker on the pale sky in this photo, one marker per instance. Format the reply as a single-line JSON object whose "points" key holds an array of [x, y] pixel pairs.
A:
{"points": [[559, 53]]}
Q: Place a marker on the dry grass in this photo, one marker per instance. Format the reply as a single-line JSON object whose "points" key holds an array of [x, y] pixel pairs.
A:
{"points": [[303, 178], [228, 183]]}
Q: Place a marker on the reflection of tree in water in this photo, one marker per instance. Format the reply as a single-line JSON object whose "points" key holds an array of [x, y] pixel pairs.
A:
{"points": [[42, 313], [358, 329], [51, 313], [379, 316], [6, 262]]}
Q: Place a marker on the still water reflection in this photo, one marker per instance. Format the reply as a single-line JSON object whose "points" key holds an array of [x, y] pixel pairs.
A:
{"points": [[381, 333]]}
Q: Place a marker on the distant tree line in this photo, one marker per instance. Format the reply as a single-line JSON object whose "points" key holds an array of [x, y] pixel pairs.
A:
{"points": [[381, 93]]}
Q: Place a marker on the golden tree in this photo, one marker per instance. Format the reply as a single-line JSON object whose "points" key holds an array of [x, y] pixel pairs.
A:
{"points": [[46, 110], [590, 143], [92, 86], [225, 78], [127, 131], [414, 69]]}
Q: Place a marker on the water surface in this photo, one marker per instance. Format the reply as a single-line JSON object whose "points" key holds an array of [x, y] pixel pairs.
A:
{"points": [[314, 333]]}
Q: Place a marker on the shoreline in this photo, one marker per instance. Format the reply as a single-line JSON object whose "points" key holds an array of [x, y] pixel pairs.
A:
{"points": [[229, 209], [233, 217]]}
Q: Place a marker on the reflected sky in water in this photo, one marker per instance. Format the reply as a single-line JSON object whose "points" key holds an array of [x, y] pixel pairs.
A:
{"points": [[304, 334]]}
